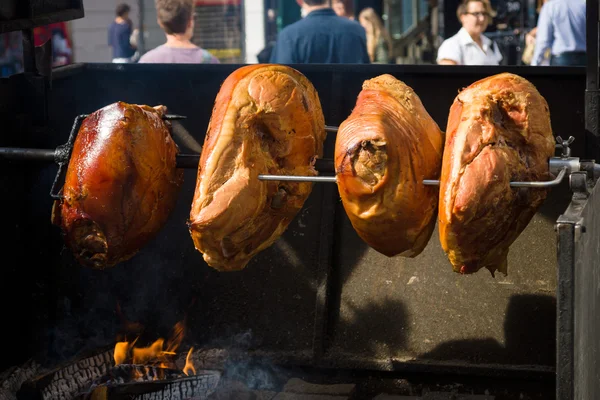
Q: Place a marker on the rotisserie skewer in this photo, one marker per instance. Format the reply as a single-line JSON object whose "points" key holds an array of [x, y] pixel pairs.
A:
{"points": [[428, 182], [190, 161]]}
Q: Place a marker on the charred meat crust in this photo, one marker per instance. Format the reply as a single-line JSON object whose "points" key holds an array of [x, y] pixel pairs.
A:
{"points": [[89, 243]]}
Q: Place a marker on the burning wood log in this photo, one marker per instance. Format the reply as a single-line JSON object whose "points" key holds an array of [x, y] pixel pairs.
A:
{"points": [[12, 379], [152, 383], [206, 358], [66, 381], [130, 373], [125, 370]]}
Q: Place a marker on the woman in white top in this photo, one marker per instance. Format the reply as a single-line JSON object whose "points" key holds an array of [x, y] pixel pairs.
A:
{"points": [[470, 46]]}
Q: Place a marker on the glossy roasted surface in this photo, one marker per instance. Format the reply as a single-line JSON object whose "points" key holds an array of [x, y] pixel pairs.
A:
{"points": [[498, 131], [383, 151], [267, 119], [121, 184]]}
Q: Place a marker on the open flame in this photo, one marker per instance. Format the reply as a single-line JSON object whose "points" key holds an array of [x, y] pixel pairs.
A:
{"points": [[159, 354], [189, 368]]}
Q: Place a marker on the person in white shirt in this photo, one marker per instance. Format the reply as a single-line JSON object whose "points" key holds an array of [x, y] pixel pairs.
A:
{"points": [[470, 46]]}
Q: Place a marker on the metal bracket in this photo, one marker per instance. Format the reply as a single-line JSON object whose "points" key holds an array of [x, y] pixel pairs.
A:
{"points": [[579, 230], [578, 182], [592, 169], [62, 156], [578, 226], [566, 150]]}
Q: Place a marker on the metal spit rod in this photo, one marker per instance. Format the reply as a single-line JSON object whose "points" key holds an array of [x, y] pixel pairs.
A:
{"points": [[166, 117], [183, 160], [562, 165], [428, 182], [18, 153], [55, 155], [59, 155]]}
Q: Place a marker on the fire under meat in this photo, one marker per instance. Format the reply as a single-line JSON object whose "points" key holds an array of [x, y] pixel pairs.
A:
{"points": [[159, 354]]}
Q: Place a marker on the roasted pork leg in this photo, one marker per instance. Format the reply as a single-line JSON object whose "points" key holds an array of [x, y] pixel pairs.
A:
{"points": [[383, 151], [498, 131], [267, 119], [121, 184]]}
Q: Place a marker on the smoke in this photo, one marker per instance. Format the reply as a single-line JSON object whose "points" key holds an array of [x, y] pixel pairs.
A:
{"points": [[239, 341], [255, 375], [78, 334], [241, 366]]}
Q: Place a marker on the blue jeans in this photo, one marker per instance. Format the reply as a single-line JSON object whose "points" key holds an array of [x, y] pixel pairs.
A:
{"points": [[569, 58]]}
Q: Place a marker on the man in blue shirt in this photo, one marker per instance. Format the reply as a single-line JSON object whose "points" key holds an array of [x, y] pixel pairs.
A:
{"points": [[561, 28], [321, 37], [119, 35]]}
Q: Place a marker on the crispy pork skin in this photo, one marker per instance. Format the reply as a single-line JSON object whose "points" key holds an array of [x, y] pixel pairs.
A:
{"points": [[121, 184], [267, 119], [498, 131], [383, 151]]}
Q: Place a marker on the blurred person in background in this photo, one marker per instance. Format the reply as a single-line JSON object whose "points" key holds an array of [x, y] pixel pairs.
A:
{"points": [[271, 34], [176, 18], [6, 67], [119, 36], [530, 39], [321, 37], [12, 62], [344, 8], [379, 41], [470, 46], [58, 34], [561, 28], [61, 51]]}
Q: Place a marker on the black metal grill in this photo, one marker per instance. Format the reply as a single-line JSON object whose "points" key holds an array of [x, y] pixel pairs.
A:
{"points": [[319, 296]]}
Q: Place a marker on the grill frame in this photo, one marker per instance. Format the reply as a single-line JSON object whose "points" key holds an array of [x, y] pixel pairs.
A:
{"points": [[196, 90]]}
